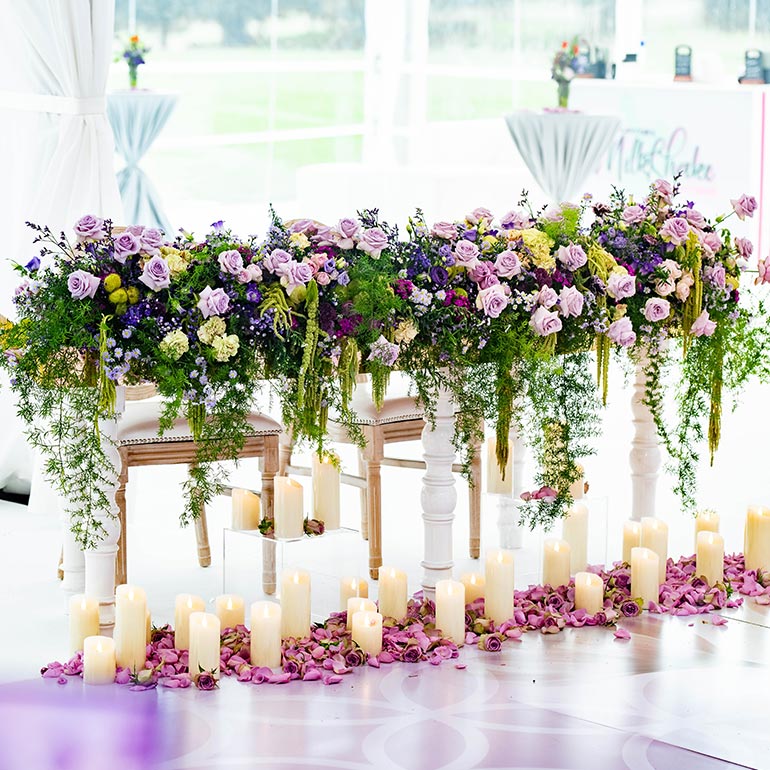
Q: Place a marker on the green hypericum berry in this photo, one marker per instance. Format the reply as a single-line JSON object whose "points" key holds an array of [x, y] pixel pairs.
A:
{"points": [[111, 283]]}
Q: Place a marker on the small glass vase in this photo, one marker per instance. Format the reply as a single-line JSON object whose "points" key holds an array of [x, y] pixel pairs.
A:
{"points": [[132, 76], [563, 92]]}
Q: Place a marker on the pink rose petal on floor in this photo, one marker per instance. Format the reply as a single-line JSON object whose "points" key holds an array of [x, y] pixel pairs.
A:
{"points": [[332, 679], [311, 675], [460, 666], [718, 620], [762, 599], [621, 633]]}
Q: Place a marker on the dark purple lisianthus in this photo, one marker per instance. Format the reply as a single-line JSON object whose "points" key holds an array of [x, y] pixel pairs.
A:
{"points": [[445, 251], [327, 315], [254, 295], [439, 275], [471, 235]]}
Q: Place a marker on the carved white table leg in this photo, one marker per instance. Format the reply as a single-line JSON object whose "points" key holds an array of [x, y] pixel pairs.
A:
{"points": [[73, 563], [100, 561], [439, 496], [645, 456], [508, 507]]}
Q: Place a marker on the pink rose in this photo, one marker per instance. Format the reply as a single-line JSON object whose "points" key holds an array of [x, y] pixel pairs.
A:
{"points": [[711, 243], [466, 253], [683, 287], [348, 228], [546, 297], [479, 215], [243, 276], [656, 309], [745, 206], [675, 230], [213, 302], [702, 326], [483, 273], [373, 241], [570, 302], [744, 247], [89, 228], [763, 270], [621, 285], [445, 230], [516, 220], [508, 264], [664, 189], [695, 218], [545, 322], [633, 214], [492, 301], [572, 256], [622, 333], [230, 261], [322, 278], [667, 286], [255, 273]]}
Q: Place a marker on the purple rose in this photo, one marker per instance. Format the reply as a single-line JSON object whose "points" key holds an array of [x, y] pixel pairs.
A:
{"points": [[298, 274], [412, 654], [152, 239], [213, 302], [675, 230], [695, 218], [656, 309], [373, 240], [89, 228], [745, 206], [355, 657], [483, 273], [621, 285], [570, 302], [445, 230], [492, 301], [630, 609], [633, 214], [126, 245], [231, 262], [546, 297], [515, 220], [82, 284], [702, 326], [348, 228], [622, 333], [205, 682], [508, 264], [156, 274], [466, 253], [572, 256], [745, 247], [276, 258], [491, 643], [545, 322]]}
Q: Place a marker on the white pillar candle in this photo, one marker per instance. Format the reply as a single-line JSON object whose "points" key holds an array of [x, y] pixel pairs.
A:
{"points": [[230, 610], [706, 521], [247, 509], [474, 586], [655, 537], [358, 604], [295, 604], [710, 557], [498, 590], [367, 631], [184, 606], [574, 529], [589, 592], [645, 583], [326, 492], [289, 508], [450, 610], [556, 563], [98, 660], [392, 593], [496, 485], [757, 545], [350, 587], [578, 487], [205, 631], [266, 634], [84, 620], [130, 632], [632, 538]]}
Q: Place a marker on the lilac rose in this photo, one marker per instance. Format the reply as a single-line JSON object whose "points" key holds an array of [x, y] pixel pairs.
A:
{"points": [[302, 226], [445, 230], [545, 322], [633, 214], [664, 189], [483, 273], [136, 230], [213, 302], [156, 274], [675, 230], [89, 228], [230, 261], [492, 301], [570, 302], [622, 333], [716, 275], [152, 240], [508, 264], [515, 220], [695, 218], [656, 309], [621, 285], [298, 274], [711, 242], [546, 297], [275, 259], [466, 253], [82, 284], [745, 206], [125, 246], [745, 247], [373, 241], [703, 326], [479, 215], [572, 256], [348, 229]]}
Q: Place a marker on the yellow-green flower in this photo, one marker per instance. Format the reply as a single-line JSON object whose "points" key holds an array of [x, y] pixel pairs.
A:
{"points": [[175, 344], [540, 245], [111, 283], [214, 327], [225, 347], [177, 261], [299, 240], [133, 295], [119, 296]]}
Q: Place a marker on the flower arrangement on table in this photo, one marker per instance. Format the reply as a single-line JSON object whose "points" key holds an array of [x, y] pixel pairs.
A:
{"points": [[133, 54], [563, 69]]}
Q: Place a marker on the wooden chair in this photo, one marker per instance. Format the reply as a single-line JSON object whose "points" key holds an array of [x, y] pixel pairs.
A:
{"points": [[139, 444], [400, 419]]}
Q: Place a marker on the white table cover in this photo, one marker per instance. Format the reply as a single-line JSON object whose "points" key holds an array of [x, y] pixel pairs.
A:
{"points": [[561, 149], [137, 117]]}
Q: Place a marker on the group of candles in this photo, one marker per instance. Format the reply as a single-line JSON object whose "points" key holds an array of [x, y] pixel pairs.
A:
{"points": [[289, 506]]}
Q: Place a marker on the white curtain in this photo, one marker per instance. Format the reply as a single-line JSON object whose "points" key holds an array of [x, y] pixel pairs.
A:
{"points": [[56, 143]]}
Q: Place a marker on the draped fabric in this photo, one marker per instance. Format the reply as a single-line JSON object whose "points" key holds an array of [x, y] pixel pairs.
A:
{"points": [[137, 118], [561, 149], [56, 144]]}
